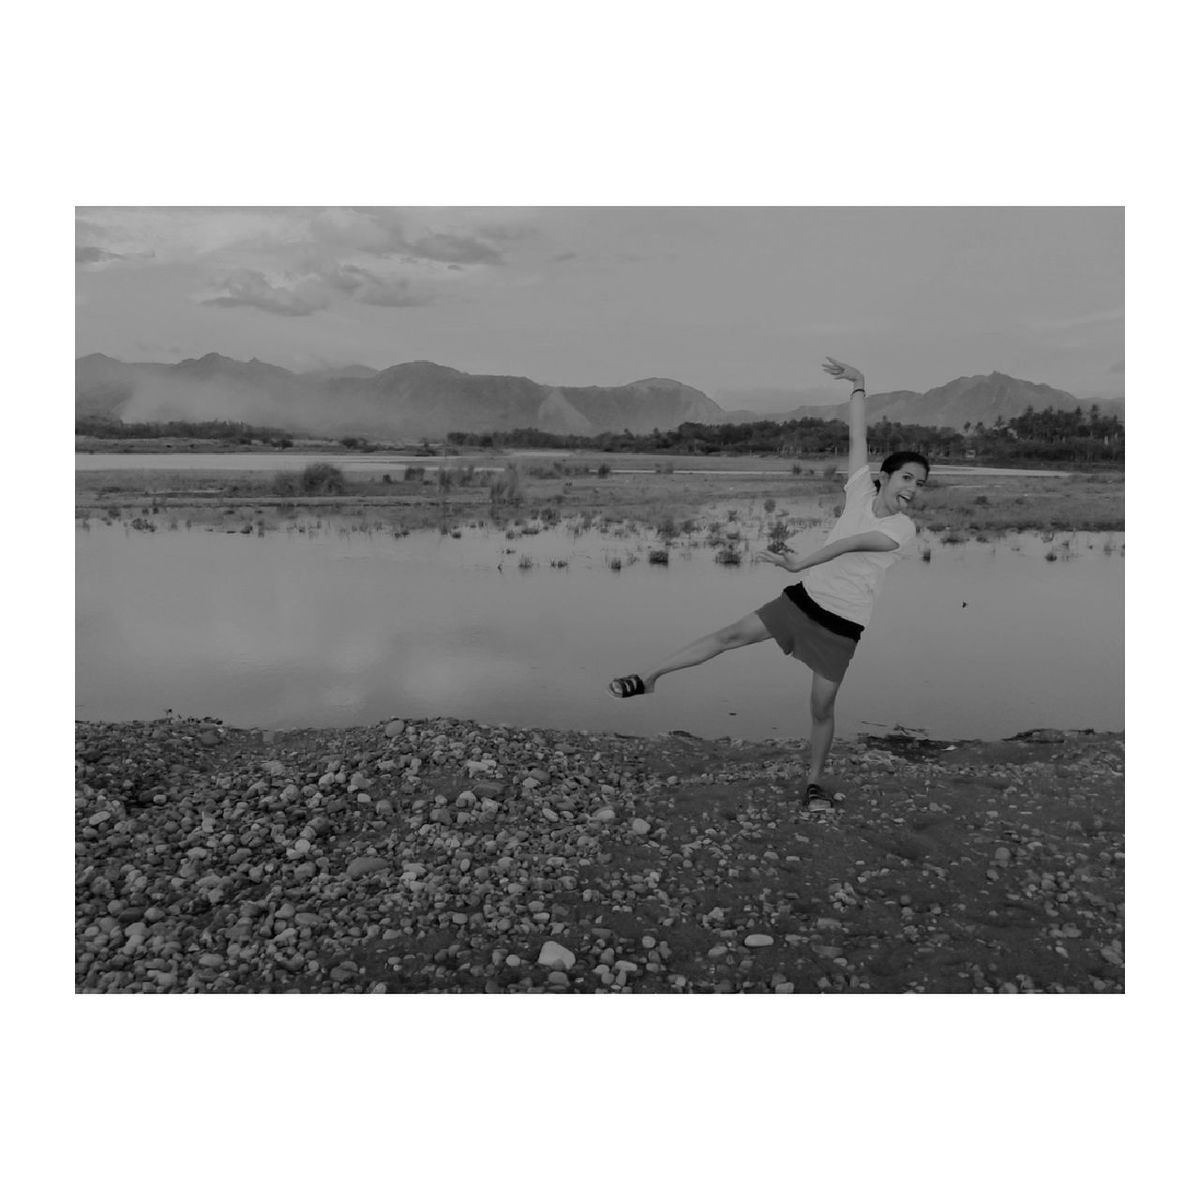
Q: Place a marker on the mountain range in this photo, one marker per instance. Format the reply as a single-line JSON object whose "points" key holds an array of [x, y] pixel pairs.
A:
{"points": [[426, 400]]}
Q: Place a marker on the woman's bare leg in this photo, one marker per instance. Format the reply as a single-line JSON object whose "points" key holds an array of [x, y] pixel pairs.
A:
{"points": [[824, 694], [745, 632]]}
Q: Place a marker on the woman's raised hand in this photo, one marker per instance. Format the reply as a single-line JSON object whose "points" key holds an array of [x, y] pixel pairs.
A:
{"points": [[841, 370]]}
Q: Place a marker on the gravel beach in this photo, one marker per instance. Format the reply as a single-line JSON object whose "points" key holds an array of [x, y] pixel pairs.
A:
{"points": [[448, 856]]}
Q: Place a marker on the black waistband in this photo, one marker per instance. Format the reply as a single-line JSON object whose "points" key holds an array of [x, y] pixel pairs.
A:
{"points": [[831, 621]]}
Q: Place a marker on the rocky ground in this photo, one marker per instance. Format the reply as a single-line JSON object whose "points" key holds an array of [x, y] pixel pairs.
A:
{"points": [[446, 856]]}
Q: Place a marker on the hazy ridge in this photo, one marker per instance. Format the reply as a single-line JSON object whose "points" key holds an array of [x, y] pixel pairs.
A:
{"points": [[427, 400]]}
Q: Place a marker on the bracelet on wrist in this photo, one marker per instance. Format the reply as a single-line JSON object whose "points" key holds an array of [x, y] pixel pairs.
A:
{"points": [[859, 389]]}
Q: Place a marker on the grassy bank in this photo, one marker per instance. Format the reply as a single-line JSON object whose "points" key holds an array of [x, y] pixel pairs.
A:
{"points": [[435, 495]]}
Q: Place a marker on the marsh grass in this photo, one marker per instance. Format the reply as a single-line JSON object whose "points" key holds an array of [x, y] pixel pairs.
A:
{"points": [[1058, 504], [507, 487]]}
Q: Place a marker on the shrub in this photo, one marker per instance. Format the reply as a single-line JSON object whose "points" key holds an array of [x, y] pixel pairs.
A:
{"points": [[769, 504], [603, 470], [411, 473], [322, 479], [727, 556], [659, 558]]}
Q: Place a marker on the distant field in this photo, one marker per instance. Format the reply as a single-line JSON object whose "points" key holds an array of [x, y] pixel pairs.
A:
{"points": [[564, 485]]}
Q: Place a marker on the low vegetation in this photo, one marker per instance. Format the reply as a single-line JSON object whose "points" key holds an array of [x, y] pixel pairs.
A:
{"points": [[773, 506], [317, 479]]}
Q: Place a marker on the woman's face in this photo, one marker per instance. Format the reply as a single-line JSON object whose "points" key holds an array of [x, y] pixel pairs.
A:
{"points": [[899, 490]]}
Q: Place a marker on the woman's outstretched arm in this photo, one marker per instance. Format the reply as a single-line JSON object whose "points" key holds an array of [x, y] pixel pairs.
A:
{"points": [[857, 417], [791, 560]]}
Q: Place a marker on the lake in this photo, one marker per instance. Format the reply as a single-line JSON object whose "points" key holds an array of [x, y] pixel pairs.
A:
{"points": [[376, 464], [322, 624]]}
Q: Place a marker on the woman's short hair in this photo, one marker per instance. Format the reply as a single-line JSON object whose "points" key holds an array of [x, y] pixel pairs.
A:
{"points": [[901, 458]]}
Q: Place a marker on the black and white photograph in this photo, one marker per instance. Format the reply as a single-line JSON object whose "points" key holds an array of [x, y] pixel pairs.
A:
{"points": [[579, 509], [600, 600]]}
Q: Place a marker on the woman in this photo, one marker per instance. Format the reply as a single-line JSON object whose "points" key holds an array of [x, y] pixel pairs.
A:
{"points": [[821, 620]]}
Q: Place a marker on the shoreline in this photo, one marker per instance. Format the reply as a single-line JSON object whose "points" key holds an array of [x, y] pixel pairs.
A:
{"points": [[647, 490], [443, 855]]}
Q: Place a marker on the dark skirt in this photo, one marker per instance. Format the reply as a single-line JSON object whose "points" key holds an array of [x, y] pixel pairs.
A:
{"points": [[819, 639]]}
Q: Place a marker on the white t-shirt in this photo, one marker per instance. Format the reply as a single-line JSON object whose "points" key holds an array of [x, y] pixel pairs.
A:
{"points": [[848, 584]]}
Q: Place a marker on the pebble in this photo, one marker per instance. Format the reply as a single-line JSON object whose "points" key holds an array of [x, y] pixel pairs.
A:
{"points": [[365, 865], [162, 902], [556, 956]]}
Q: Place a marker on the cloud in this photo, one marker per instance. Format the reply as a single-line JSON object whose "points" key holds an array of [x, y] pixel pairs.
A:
{"points": [[381, 233], [87, 229], [368, 288], [251, 289], [88, 255], [1079, 322], [368, 231], [454, 248]]}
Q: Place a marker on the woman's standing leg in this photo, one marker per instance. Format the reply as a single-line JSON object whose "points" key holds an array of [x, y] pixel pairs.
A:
{"points": [[745, 632], [824, 695]]}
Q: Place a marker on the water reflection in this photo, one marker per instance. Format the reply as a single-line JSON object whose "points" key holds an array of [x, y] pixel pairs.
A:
{"points": [[324, 626]]}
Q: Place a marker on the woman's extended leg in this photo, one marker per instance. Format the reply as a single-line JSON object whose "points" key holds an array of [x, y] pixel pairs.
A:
{"points": [[824, 694], [745, 632]]}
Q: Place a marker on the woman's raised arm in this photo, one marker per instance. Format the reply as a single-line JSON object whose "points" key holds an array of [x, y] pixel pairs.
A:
{"points": [[857, 417]]}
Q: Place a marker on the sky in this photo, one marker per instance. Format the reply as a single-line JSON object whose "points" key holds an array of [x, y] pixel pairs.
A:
{"points": [[723, 299]]}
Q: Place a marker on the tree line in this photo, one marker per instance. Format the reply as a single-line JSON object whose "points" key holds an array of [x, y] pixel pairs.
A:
{"points": [[1053, 435], [235, 432]]}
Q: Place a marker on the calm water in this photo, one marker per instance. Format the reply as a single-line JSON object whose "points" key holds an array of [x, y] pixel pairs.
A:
{"points": [[326, 626], [374, 464]]}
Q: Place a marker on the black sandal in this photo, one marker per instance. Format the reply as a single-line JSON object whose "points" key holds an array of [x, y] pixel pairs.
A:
{"points": [[626, 686], [816, 795]]}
